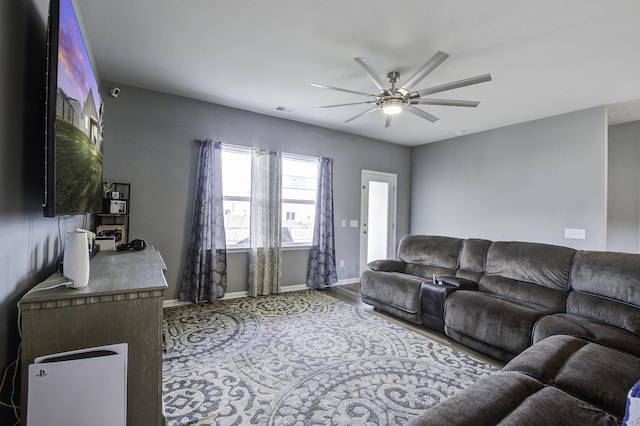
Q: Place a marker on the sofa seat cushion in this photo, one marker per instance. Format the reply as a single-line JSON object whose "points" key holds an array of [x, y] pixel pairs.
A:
{"points": [[398, 290], [592, 372], [496, 320], [552, 406], [589, 329], [512, 398]]}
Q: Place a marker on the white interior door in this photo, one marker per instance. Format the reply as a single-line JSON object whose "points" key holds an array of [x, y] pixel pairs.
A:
{"points": [[377, 217]]}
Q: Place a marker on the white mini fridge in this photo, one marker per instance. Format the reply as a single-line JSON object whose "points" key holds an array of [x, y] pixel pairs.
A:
{"points": [[83, 387]]}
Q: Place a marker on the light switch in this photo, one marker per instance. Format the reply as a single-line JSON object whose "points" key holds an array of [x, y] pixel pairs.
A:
{"points": [[575, 234], [344, 223], [353, 223]]}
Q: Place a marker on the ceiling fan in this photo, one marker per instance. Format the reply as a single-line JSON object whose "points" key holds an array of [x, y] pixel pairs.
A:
{"points": [[394, 100]]}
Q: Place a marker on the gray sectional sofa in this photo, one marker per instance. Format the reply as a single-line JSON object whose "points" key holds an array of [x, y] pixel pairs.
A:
{"points": [[562, 380], [552, 312]]}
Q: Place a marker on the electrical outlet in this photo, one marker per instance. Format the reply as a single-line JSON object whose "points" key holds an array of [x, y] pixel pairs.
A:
{"points": [[341, 264], [576, 234]]}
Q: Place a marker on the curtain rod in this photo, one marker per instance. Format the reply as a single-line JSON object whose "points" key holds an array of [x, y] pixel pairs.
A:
{"points": [[243, 147], [205, 139], [228, 145]]}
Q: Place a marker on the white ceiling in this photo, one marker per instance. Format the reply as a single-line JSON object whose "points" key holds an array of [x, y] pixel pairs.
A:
{"points": [[546, 57]]}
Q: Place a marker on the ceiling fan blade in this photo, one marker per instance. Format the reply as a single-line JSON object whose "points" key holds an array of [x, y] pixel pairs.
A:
{"points": [[323, 86], [446, 102], [421, 113], [380, 84], [455, 84], [341, 105], [361, 114], [425, 70], [387, 122]]}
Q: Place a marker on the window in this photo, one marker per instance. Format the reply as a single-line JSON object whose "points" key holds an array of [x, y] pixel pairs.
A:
{"points": [[299, 184], [236, 194]]}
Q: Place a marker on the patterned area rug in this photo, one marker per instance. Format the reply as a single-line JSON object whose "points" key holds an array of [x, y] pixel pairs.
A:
{"points": [[302, 358]]}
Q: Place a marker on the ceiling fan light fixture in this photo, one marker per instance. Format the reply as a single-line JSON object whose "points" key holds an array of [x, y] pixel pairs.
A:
{"points": [[392, 106], [394, 100]]}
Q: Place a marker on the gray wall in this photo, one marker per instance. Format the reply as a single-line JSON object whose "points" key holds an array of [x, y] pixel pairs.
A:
{"points": [[524, 182], [29, 242], [149, 142], [623, 219]]}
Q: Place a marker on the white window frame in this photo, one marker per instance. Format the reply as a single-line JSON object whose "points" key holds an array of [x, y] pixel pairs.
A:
{"points": [[236, 150], [312, 162], [285, 156]]}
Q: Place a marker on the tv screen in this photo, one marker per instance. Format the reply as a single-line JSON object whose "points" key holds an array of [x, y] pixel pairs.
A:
{"points": [[73, 118]]}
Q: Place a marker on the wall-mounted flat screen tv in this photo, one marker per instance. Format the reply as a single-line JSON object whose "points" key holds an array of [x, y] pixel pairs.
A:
{"points": [[73, 169]]}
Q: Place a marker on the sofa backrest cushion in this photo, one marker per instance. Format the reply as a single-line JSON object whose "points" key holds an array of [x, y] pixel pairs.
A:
{"points": [[474, 254], [607, 311], [531, 272], [542, 264], [608, 274], [606, 288], [426, 255], [472, 258]]}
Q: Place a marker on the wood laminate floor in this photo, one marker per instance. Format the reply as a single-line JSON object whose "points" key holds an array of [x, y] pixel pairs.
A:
{"points": [[350, 293]]}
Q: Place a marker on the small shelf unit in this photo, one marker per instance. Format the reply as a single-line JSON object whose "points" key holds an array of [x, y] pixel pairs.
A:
{"points": [[116, 205]]}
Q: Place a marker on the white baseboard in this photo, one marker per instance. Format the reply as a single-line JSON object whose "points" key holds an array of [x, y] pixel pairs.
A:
{"points": [[174, 302], [348, 281], [240, 294]]}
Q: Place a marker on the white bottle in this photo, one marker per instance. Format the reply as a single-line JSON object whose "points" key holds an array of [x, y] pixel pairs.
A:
{"points": [[76, 259]]}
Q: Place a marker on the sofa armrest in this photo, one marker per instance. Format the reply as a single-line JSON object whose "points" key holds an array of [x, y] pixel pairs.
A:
{"points": [[461, 283], [387, 265]]}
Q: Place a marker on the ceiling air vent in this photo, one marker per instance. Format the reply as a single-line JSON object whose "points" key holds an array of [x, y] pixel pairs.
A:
{"points": [[281, 108]]}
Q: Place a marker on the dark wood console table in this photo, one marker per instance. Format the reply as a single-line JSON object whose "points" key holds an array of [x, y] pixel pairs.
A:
{"points": [[121, 304]]}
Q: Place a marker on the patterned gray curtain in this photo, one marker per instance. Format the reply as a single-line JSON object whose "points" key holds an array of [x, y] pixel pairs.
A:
{"points": [[265, 235], [321, 270], [205, 274]]}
